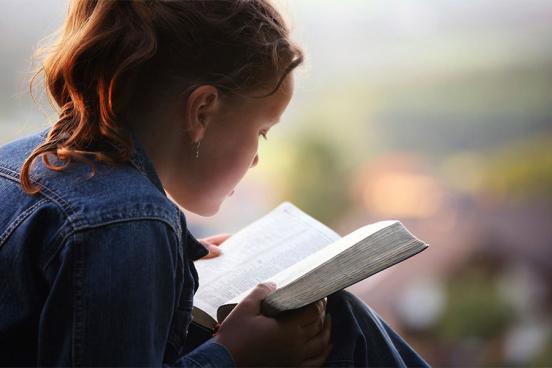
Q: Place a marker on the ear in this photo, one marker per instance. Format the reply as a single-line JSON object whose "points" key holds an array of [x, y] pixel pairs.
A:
{"points": [[201, 107]]}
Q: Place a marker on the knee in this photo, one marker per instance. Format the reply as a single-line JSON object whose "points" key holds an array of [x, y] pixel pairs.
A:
{"points": [[344, 296], [345, 300]]}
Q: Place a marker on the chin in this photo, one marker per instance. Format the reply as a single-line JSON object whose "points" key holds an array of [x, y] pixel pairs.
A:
{"points": [[200, 209], [206, 209], [208, 212]]}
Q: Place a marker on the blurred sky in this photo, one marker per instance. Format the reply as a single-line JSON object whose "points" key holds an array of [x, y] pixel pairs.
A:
{"points": [[443, 79], [368, 43]]}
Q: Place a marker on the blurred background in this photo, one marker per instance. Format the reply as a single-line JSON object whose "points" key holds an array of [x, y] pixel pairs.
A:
{"points": [[436, 113]]}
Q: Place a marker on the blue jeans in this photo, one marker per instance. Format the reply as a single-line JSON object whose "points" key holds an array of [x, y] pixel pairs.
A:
{"points": [[359, 336]]}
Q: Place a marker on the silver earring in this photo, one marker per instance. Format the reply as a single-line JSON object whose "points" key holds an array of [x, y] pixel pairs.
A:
{"points": [[197, 149]]}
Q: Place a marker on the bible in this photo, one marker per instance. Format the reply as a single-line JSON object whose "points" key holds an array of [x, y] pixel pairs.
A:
{"points": [[307, 260]]}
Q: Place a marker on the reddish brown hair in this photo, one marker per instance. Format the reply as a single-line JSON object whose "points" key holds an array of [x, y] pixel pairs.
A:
{"points": [[109, 49]]}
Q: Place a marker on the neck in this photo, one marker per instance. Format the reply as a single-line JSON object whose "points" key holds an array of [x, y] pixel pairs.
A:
{"points": [[162, 142]]}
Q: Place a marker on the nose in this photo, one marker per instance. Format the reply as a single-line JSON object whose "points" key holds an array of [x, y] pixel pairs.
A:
{"points": [[255, 160]]}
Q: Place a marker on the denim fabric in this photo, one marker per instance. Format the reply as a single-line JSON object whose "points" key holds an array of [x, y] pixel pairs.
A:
{"points": [[360, 337], [95, 271]]}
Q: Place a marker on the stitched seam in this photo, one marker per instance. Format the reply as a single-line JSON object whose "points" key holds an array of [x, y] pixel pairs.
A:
{"points": [[52, 248], [79, 307], [178, 229], [69, 211], [79, 317], [88, 227], [18, 220], [193, 361], [45, 191], [92, 226], [139, 218], [339, 361], [6, 173]]}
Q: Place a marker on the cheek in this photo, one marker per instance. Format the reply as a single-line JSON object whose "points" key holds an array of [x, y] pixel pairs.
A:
{"points": [[233, 160], [243, 155]]}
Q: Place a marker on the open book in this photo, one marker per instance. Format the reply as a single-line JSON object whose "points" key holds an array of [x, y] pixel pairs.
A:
{"points": [[307, 260]]}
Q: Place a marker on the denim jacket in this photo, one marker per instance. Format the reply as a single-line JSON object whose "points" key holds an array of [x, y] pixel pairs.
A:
{"points": [[95, 270]]}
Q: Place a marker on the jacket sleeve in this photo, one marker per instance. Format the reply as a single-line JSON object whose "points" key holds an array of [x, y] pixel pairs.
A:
{"points": [[112, 298], [208, 354]]}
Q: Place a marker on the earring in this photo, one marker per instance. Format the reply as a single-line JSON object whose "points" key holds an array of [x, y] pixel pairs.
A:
{"points": [[197, 149]]}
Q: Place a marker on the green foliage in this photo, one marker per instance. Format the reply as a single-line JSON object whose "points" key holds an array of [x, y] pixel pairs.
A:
{"points": [[544, 359], [474, 308], [522, 169], [318, 183]]}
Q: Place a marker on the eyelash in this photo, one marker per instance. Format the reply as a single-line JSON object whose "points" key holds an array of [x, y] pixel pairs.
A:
{"points": [[263, 134]]}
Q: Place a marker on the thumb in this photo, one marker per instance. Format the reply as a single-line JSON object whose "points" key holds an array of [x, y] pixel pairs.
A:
{"points": [[255, 297], [213, 250]]}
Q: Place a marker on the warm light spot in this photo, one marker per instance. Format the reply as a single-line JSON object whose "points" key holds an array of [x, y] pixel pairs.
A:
{"points": [[402, 195]]}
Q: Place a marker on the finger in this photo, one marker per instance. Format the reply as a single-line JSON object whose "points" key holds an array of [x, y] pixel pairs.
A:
{"points": [[213, 250], [315, 346], [253, 300], [217, 239], [319, 360], [302, 316], [321, 309], [316, 326], [312, 313], [310, 331], [320, 305]]}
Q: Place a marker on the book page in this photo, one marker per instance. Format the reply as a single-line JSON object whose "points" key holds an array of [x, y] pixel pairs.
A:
{"points": [[290, 274], [256, 253], [389, 245], [324, 254]]}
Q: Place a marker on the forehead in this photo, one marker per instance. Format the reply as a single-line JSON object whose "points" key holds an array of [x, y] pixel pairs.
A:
{"points": [[264, 109], [276, 103]]}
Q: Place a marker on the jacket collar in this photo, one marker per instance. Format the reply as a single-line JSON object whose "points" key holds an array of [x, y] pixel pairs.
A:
{"points": [[140, 161]]}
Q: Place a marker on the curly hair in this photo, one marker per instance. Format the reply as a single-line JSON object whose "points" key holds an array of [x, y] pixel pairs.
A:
{"points": [[107, 50]]}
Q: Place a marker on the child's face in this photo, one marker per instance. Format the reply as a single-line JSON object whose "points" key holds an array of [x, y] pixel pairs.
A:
{"points": [[228, 149]]}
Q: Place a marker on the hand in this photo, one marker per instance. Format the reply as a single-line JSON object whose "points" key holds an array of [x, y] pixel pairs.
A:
{"points": [[296, 338], [212, 243]]}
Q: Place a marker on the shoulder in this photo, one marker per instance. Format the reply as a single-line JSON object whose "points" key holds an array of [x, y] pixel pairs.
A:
{"points": [[114, 194], [126, 247]]}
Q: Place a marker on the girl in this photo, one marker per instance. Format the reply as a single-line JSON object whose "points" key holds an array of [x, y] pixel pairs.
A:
{"points": [[96, 263]]}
